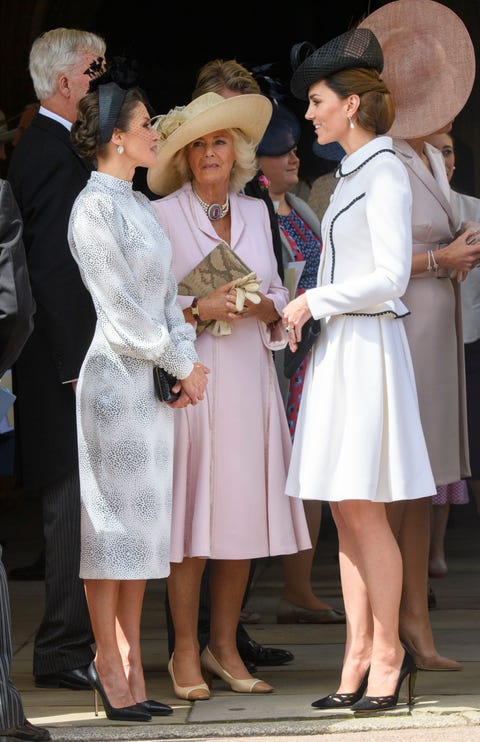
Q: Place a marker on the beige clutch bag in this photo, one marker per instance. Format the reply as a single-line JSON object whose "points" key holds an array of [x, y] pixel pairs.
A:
{"points": [[219, 267]]}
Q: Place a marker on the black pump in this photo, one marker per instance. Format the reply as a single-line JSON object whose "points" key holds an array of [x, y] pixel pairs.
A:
{"points": [[342, 700], [124, 713], [368, 704]]}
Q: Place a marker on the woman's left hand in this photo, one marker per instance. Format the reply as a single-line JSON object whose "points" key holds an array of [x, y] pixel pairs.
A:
{"points": [[295, 314], [463, 253], [182, 401]]}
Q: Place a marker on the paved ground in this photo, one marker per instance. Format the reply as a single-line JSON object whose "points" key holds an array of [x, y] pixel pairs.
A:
{"points": [[447, 706]]}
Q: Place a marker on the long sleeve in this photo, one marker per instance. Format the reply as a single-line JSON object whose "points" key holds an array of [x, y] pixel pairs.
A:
{"points": [[372, 280], [137, 320]]}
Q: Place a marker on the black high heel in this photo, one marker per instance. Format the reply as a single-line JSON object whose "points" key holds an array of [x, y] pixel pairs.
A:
{"points": [[342, 700], [124, 713], [155, 708], [383, 703]]}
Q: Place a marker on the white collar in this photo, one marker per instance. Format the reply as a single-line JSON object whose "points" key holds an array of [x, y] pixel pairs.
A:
{"points": [[55, 117]]}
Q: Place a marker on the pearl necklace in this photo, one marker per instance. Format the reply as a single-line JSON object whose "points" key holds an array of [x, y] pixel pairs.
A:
{"points": [[213, 211]]}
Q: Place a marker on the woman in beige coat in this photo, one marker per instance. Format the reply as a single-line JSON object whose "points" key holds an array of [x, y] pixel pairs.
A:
{"points": [[435, 336]]}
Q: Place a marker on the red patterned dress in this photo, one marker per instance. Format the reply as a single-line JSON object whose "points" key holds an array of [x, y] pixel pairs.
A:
{"points": [[305, 245]]}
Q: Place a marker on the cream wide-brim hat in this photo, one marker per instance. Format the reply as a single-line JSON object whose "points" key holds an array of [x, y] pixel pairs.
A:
{"points": [[429, 64], [209, 112]]}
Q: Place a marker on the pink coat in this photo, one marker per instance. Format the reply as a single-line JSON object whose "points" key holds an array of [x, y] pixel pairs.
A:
{"points": [[232, 450]]}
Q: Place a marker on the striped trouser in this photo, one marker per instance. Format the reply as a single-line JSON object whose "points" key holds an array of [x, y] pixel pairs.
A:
{"points": [[11, 708], [64, 637]]}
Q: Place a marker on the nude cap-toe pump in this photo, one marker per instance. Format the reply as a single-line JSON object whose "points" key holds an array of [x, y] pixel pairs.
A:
{"points": [[240, 685], [199, 692]]}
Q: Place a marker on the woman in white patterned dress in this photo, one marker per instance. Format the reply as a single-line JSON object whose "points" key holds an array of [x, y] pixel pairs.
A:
{"points": [[125, 434]]}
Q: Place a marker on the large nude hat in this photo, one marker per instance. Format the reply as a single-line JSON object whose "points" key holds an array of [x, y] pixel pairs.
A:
{"points": [[210, 112], [429, 64]]}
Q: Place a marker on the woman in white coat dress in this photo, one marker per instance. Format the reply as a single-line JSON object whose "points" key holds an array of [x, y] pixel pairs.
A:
{"points": [[125, 434], [430, 85], [359, 442]]}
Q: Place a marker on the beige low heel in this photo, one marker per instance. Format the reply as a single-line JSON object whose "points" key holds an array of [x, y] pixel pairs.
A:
{"points": [[240, 685], [198, 692], [207, 676], [290, 613]]}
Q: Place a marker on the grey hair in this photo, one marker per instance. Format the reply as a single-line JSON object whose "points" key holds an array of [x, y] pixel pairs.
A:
{"points": [[58, 51], [245, 161]]}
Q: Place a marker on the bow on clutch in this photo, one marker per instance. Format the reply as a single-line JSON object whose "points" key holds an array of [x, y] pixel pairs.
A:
{"points": [[246, 289]]}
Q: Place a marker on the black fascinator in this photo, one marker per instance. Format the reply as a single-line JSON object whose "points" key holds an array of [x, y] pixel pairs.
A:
{"points": [[269, 86], [357, 47], [283, 131], [299, 52], [112, 82]]}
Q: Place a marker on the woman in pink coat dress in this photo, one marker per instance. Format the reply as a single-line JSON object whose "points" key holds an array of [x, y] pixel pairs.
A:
{"points": [[232, 456]]}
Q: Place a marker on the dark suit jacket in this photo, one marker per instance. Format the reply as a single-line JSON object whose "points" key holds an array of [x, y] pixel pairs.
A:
{"points": [[46, 176], [16, 301]]}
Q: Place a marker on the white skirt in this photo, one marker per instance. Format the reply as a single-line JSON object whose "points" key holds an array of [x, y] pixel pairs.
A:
{"points": [[359, 435]]}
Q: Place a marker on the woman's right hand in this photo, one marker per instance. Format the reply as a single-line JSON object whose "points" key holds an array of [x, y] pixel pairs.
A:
{"points": [[219, 304], [462, 254], [195, 383], [295, 314]]}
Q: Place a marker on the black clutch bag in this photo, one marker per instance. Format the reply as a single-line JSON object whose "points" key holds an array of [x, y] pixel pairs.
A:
{"points": [[163, 383], [310, 333]]}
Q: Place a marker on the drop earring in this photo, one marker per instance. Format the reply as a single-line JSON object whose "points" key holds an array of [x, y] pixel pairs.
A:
{"points": [[120, 149], [352, 125]]}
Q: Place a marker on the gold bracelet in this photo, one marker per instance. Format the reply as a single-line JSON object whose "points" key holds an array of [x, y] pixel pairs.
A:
{"points": [[195, 310]]}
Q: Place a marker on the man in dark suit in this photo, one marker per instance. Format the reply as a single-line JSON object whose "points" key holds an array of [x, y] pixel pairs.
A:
{"points": [[46, 176], [16, 322]]}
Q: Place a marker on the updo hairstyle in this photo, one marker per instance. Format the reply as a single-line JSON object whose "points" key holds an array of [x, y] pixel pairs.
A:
{"points": [[376, 111], [85, 132]]}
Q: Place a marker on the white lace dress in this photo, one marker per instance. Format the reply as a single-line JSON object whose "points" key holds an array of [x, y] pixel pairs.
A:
{"points": [[125, 434]]}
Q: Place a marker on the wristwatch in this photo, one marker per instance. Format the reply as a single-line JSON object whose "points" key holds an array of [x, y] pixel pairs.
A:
{"points": [[194, 309]]}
